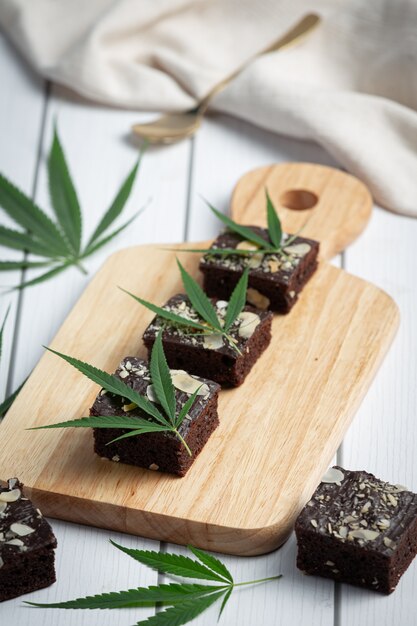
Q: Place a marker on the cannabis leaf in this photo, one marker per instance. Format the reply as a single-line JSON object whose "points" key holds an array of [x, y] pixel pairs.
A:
{"points": [[142, 596], [214, 325], [7, 403], [178, 565], [274, 244], [185, 601], [214, 564], [58, 244], [166, 421], [237, 301], [201, 303], [274, 224]]}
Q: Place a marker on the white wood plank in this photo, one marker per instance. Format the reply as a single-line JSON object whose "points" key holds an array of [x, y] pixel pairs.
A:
{"points": [[383, 437], [22, 98]]}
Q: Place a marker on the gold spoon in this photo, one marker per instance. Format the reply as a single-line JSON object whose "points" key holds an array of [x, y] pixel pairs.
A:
{"points": [[176, 126]]}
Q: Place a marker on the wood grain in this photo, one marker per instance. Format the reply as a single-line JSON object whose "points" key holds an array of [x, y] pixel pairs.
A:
{"points": [[278, 432]]}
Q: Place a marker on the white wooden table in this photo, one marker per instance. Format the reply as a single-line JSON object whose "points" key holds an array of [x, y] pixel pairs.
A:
{"points": [[383, 438]]}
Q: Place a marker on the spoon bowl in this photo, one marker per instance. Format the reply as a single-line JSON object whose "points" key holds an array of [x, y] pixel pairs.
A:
{"points": [[170, 128]]}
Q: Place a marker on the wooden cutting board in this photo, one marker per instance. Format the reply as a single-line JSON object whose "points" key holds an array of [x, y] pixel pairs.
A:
{"points": [[278, 431]]}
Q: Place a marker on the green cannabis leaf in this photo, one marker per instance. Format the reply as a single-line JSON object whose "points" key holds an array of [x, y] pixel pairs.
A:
{"points": [[274, 224], [185, 601], [169, 420], [58, 244], [7, 403], [274, 244], [203, 306]]}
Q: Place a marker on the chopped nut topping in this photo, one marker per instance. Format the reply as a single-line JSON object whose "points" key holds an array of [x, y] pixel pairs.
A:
{"points": [[393, 500]]}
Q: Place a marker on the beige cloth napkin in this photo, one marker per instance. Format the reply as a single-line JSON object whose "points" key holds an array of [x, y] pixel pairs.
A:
{"points": [[351, 86]]}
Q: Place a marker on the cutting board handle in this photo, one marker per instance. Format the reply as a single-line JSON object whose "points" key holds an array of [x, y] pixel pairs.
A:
{"points": [[327, 204]]}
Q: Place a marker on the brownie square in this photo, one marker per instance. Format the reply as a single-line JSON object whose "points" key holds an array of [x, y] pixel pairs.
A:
{"points": [[275, 280], [358, 529], [159, 451], [212, 356], [27, 545]]}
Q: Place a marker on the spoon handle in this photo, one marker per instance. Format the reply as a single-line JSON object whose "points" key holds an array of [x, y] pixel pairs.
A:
{"points": [[294, 35]]}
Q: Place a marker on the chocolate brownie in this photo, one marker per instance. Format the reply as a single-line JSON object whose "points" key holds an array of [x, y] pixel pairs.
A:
{"points": [[359, 530], [27, 544], [212, 356], [275, 280], [159, 451]]}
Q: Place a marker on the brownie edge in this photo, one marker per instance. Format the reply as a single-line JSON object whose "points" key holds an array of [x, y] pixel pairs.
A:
{"points": [[27, 543], [156, 451], [358, 529]]}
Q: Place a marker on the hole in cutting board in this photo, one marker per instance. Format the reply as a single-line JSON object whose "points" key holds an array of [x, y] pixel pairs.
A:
{"points": [[298, 199]]}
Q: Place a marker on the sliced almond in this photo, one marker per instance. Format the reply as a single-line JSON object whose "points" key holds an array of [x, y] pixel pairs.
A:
{"points": [[213, 342], [248, 322], [368, 535], [246, 245], [3, 507], [21, 529], [298, 249], [393, 500], [10, 496], [188, 384], [333, 476], [222, 304], [150, 392], [15, 542], [253, 296], [383, 524]]}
